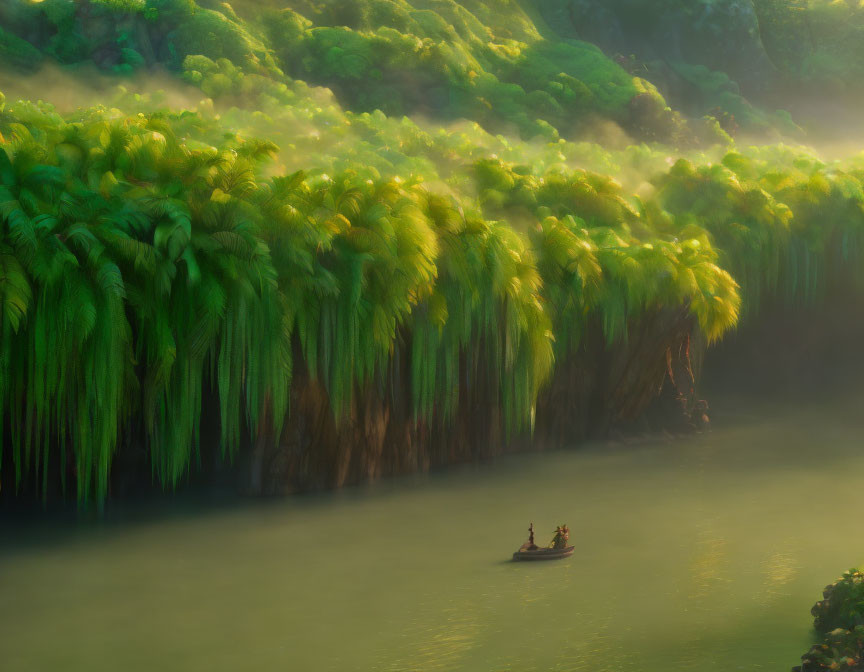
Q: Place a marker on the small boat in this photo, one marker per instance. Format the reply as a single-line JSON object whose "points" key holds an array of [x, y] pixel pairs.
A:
{"points": [[538, 553], [531, 551]]}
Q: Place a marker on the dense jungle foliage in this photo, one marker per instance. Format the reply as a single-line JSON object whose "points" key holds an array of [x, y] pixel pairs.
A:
{"points": [[497, 63], [839, 621], [244, 253]]}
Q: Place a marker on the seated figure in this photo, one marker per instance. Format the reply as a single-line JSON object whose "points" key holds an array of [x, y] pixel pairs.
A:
{"points": [[562, 534]]}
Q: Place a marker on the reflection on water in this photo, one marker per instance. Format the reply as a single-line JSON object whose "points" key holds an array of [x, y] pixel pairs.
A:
{"points": [[701, 554]]}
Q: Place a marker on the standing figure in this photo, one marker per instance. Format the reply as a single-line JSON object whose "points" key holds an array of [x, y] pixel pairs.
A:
{"points": [[529, 545]]}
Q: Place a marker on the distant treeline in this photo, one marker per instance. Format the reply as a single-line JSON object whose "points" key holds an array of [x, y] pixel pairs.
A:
{"points": [[494, 63]]}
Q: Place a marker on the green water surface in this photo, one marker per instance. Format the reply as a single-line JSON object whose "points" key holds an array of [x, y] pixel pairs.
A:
{"points": [[703, 553]]}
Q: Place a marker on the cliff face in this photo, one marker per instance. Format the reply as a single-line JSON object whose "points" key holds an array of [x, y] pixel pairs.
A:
{"points": [[644, 384]]}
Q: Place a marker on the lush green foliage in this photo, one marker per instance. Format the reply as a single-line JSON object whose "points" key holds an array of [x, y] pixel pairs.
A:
{"points": [[842, 605], [840, 622], [139, 271], [787, 223], [840, 650], [143, 266], [819, 40], [494, 63], [736, 60], [443, 59], [160, 265]]}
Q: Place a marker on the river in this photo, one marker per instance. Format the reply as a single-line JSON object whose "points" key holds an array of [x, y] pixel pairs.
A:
{"points": [[703, 553]]}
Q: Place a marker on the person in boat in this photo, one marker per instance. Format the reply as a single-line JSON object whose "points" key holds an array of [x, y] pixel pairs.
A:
{"points": [[529, 545], [562, 534]]}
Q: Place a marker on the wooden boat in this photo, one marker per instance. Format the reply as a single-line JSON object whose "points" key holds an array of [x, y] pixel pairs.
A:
{"points": [[537, 553]]}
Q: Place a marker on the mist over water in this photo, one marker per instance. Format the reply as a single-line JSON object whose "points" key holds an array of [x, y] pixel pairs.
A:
{"points": [[704, 553]]}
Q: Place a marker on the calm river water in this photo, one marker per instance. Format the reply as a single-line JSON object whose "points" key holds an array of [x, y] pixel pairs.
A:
{"points": [[695, 554]]}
